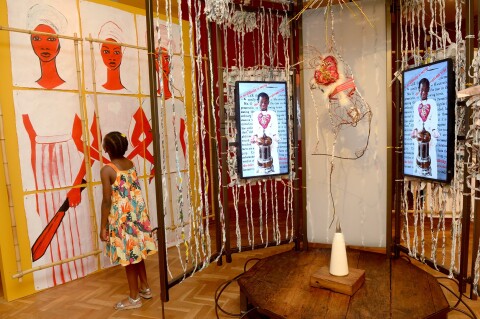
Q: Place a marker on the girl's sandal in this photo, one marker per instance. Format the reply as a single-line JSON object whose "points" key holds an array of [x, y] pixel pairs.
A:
{"points": [[146, 293], [130, 304]]}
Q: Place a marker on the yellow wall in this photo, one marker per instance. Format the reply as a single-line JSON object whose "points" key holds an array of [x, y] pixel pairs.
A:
{"points": [[13, 288]]}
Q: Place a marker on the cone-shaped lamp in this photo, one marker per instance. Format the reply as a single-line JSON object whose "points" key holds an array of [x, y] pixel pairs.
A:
{"points": [[338, 258]]}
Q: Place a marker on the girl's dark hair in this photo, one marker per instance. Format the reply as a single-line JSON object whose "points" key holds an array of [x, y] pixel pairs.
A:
{"points": [[115, 143]]}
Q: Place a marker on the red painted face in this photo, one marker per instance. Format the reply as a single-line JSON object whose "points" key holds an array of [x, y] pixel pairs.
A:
{"points": [[111, 54], [45, 47], [165, 58]]}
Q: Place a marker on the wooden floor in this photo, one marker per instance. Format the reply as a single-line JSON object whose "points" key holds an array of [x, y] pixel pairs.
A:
{"points": [[93, 297]]}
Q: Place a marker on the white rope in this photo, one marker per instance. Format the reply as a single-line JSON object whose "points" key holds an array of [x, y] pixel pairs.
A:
{"points": [[197, 226], [214, 109], [405, 231], [266, 213], [163, 169], [476, 272], [247, 215], [251, 214], [434, 211], [278, 235], [187, 139], [217, 10], [261, 210]]}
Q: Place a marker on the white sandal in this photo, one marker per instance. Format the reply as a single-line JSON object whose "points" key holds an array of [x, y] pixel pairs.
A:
{"points": [[132, 304], [145, 293]]}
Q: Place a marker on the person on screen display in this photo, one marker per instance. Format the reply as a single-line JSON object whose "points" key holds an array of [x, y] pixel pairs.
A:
{"points": [[425, 132], [265, 137]]}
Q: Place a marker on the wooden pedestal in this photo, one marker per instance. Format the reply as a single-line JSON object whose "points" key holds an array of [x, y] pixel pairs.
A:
{"points": [[346, 285]]}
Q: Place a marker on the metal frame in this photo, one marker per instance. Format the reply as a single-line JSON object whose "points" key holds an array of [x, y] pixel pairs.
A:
{"points": [[462, 274], [165, 284]]}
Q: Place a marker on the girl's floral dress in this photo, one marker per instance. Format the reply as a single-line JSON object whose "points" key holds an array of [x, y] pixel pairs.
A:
{"points": [[130, 240]]}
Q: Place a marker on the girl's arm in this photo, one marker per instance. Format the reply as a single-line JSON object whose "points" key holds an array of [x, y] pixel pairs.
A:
{"points": [[107, 175]]}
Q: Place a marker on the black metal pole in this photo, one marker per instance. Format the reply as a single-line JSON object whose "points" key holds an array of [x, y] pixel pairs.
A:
{"points": [[466, 191], [476, 225], [298, 40], [223, 144], [152, 75], [470, 45], [398, 143], [297, 211], [214, 154]]}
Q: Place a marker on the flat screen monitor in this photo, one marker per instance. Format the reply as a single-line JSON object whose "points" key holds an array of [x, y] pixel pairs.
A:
{"points": [[428, 121], [261, 114]]}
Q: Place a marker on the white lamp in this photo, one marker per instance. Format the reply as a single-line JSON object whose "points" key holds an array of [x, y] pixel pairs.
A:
{"points": [[338, 258]]}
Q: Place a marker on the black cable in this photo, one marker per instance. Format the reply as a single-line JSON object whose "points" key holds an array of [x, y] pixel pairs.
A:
{"points": [[224, 286], [407, 258], [459, 297], [456, 282], [246, 263], [247, 312], [218, 294]]}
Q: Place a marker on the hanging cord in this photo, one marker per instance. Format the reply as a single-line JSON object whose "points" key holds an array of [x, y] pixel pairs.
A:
{"points": [[251, 215], [166, 191], [434, 207], [179, 175], [247, 214], [476, 272], [200, 79], [405, 230], [189, 194], [266, 212], [260, 205], [214, 111], [197, 216]]}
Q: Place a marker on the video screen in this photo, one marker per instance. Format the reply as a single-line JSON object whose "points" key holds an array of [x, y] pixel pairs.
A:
{"points": [[261, 112], [428, 121]]}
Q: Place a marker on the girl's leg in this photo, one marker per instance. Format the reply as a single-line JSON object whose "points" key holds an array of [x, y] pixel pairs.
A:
{"points": [[134, 300], [142, 275], [132, 278]]}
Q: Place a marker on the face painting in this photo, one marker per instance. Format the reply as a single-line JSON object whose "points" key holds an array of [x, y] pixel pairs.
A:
{"points": [[45, 47], [111, 54]]}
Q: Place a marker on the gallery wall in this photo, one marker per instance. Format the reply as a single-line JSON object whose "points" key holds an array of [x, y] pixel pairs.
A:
{"points": [[58, 98], [358, 186]]}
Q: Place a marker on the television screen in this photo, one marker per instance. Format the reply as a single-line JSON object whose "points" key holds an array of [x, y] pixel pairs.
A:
{"points": [[261, 112], [428, 121]]}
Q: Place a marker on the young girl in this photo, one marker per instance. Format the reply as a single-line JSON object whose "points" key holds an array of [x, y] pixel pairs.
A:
{"points": [[125, 225]]}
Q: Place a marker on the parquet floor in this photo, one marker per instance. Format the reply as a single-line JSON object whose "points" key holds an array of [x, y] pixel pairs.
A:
{"points": [[93, 297]]}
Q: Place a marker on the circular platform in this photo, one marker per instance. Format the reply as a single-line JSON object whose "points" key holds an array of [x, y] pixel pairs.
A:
{"points": [[279, 287]]}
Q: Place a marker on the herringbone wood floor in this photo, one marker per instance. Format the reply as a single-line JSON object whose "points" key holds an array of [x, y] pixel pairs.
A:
{"points": [[93, 297]]}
